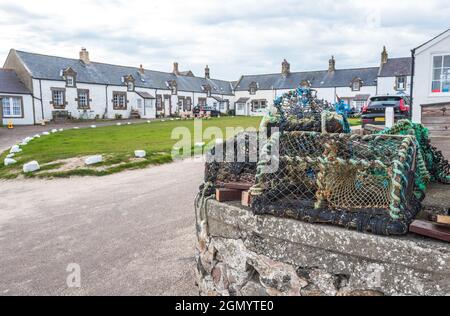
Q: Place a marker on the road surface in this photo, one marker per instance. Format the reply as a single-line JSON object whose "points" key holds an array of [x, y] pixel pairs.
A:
{"points": [[131, 233]]}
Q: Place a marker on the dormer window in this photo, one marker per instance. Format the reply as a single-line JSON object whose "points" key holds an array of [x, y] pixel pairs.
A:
{"points": [[252, 88], [129, 81], [70, 81], [207, 89], [356, 84], [172, 85], [400, 83], [130, 86], [70, 76], [305, 84]]}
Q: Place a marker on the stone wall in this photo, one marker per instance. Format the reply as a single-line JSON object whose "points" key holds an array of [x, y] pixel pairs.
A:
{"points": [[242, 254]]}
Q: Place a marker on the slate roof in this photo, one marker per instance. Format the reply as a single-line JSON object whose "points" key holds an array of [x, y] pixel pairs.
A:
{"points": [[49, 68], [362, 97], [10, 83], [397, 67], [318, 79], [242, 100], [145, 95]]}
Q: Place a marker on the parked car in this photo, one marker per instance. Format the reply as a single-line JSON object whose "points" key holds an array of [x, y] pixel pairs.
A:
{"points": [[206, 110], [374, 111]]}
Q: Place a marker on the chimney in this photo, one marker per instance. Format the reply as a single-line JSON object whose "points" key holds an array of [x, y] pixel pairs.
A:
{"points": [[176, 71], [384, 56], [285, 68], [84, 56], [207, 72], [141, 70], [332, 64]]}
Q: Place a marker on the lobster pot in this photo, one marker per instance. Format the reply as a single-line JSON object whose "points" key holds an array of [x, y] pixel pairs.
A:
{"points": [[234, 161], [361, 182]]}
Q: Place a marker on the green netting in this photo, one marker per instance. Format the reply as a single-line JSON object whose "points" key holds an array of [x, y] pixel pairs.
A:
{"points": [[363, 182]]}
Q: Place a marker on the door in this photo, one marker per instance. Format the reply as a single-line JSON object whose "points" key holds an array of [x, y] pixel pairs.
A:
{"points": [[167, 105], [149, 108]]}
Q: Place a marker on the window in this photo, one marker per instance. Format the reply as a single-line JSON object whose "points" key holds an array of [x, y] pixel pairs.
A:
{"points": [[253, 87], [130, 86], [441, 74], [188, 104], [356, 85], [139, 103], [83, 99], [58, 98], [222, 106], [159, 102], [181, 103], [173, 87], [400, 84], [120, 100], [70, 81], [70, 76], [240, 107], [202, 101], [12, 107], [259, 105]]}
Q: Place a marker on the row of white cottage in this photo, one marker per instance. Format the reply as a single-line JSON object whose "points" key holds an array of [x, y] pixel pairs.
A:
{"points": [[36, 88]]}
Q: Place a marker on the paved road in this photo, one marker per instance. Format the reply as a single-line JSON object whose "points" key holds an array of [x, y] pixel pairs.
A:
{"points": [[131, 233]]}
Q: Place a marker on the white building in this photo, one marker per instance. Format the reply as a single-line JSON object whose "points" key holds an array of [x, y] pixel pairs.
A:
{"points": [[49, 87], [82, 89], [255, 93], [431, 84], [15, 100]]}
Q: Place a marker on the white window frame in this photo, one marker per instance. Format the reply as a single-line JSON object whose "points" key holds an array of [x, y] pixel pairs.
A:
{"points": [[11, 106], [70, 81], [358, 83], [397, 83], [130, 86], [60, 96], [441, 93]]}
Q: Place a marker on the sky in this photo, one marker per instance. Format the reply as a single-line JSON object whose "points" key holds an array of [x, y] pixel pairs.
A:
{"points": [[234, 37]]}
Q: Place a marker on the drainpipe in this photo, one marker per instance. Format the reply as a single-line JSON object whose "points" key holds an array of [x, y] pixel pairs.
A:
{"points": [[413, 70], [42, 102], [105, 115]]}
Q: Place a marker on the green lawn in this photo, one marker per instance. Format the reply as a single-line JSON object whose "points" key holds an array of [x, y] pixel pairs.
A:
{"points": [[355, 121], [116, 143]]}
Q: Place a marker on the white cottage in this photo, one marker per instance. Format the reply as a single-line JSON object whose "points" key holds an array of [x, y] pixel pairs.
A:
{"points": [[431, 84], [254, 94], [83, 89], [16, 102]]}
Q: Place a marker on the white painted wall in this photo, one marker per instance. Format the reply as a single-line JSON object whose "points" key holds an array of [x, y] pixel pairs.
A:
{"points": [[328, 94], [423, 75], [387, 85], [28, 117]]}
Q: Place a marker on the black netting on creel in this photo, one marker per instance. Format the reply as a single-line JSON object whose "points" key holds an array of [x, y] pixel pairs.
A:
{"points": [[239, 166]]}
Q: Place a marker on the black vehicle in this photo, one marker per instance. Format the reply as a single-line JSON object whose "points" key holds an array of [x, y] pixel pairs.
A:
{"points": [[207, 110], [374, 111]]}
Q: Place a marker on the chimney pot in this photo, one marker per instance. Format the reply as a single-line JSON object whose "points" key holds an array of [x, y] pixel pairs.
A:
{"points": [[141, 70], [207, 72]]}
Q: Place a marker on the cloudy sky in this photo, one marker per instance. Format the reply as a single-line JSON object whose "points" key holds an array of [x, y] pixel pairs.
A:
{"points": [[233, 37]]}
